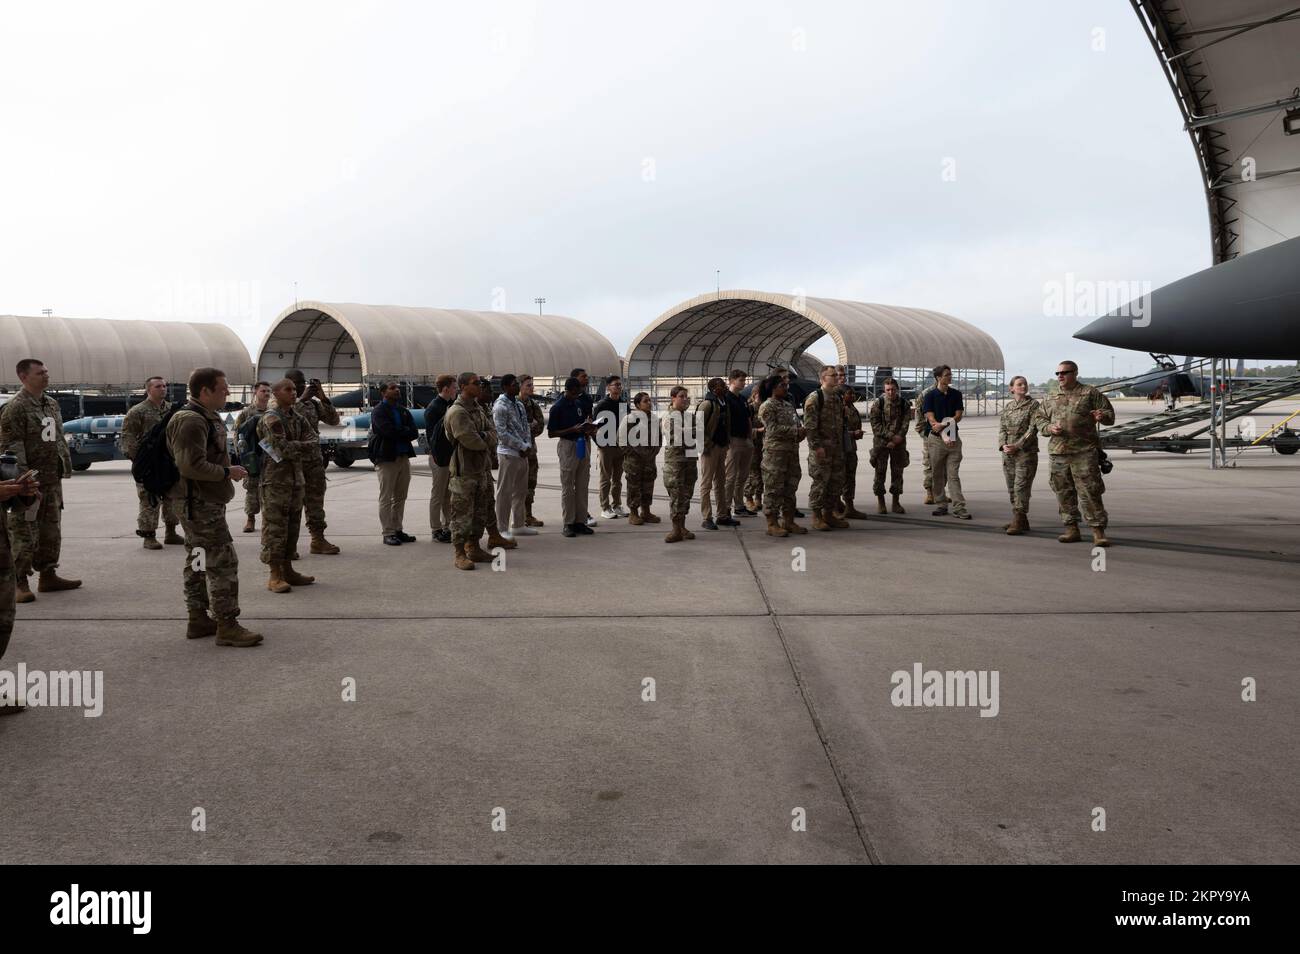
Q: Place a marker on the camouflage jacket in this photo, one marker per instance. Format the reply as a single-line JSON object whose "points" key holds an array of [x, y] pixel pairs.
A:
{"points": [[291, 437], [780, 426], [536, 423], [196, 438], [470, 425], [245, 414], [32, 430], [138, 423], [889, 419], [918, 415], [1073, 411], [679, 433], [1016, 425], [852, 424], [313, 411], [823, 418]]}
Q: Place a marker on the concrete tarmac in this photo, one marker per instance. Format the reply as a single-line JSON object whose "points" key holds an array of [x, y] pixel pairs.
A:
{"points": [[519, 694]]}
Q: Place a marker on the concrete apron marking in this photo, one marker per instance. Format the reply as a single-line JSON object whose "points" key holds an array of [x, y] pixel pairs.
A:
{"points": [[806, 695]]}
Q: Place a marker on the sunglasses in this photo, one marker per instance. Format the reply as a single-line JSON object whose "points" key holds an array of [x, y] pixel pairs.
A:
{"points": [[1061, 374]]}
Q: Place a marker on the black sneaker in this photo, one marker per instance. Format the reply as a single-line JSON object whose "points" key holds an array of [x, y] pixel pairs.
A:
{"points": [[442, 536], [728, 522], [962, 516], [941, 512], [405, 537], [746, 512], [583, 528], [708, 524], [568, 531], [393, 540], [799, 513]]}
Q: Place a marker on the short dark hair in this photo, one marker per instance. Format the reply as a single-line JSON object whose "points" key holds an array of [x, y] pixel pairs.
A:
{"points": [[25, 365], [612, 378], [639, 395], [769, 385], [571, 383], [938, 371], [736, 373], [1073, 367], [153, 377], [444, 381], [507, 380], [260, 384], [677, 389], [715, 382], [889, 381], [201, 378], [577, 371], [465, 378], [389, 384], [295, 375]]}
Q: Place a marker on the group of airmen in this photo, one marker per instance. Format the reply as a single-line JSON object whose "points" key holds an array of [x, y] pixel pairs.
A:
{"points": [[292, 474]]}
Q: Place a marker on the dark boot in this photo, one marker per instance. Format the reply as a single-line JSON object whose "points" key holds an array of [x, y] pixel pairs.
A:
{"points": [[851, 512], [250, 525], [200, 625], [837, 523], [897, 507], [22, 591], [151, 541], [880, 504], [51, 582], [294, 578], [173, 538], [230, 633], [1071, 534], [530, 520], [647, 516]]}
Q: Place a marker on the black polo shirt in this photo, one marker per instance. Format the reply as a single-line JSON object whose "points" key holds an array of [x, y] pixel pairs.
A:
{"points": [[565, 413], [740, 413], [943, 405]]}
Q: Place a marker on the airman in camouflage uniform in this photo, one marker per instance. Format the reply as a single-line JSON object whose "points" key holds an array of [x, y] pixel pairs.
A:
{"points": [[313, 406], [640, 451], [1018, 444], [823, 419], [19, 496], [140, 420], [473, 509], [922, 429], [289, 437], [781, 473], [889, 415], [31, 428], [536, 424], [852, 434], [1070, 418], [252, 497], [681, 470], [754, 482]]}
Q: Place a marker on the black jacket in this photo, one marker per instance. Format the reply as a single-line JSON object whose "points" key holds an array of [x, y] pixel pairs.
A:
{"points": [[433, 413], [391, 425]]}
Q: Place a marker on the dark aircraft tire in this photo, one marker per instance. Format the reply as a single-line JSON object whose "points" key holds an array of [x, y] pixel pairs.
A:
{"points": [[344, 459], [86, 465]]}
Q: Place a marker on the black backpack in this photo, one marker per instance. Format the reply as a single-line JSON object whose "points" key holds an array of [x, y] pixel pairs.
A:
{"points": [[154, 468], [440, 443], [250, 448]]}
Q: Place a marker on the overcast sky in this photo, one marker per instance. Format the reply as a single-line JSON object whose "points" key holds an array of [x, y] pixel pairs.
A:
{"points": [[194, 160]]}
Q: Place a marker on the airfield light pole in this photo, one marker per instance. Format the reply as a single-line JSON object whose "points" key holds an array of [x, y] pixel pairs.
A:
{"points": [[539, 302]]}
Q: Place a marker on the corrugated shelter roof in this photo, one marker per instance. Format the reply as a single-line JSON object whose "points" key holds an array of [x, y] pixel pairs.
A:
{"points": [[346, 342], [713, 333], [99, 352]]}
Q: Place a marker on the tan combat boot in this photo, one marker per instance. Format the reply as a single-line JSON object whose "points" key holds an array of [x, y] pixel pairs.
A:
{"points": [[1017, 525], [647, 516], [276, 583], [200, 625], [897, 507], [788, 524], [678, 533], [294, 578], [531, 521], [818, 522], [929, 498], [172, 538], [23, 592], [476, 553], [880, 504], [150, 542], [230, 633], [774, 529], [51, 582], [496, 540], [634, 518], [250, 524], [835, 521], [1099, 538], [1071, 534], [462, 561], [320, 545], [851, 512]]}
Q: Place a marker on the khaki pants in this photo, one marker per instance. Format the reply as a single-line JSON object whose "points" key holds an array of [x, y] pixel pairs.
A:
{"points": [[611, 477], [439, 499], [394, 479], [739, 454], [945, 464], [512, 485], [575, 477], [713, 477]]}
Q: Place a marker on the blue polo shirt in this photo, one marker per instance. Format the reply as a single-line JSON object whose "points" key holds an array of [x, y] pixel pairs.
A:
{"points": [[942, 405], [565, 413]]}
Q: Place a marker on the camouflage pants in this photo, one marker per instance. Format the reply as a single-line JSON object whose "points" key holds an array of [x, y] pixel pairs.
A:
{"points": [[7, 594], [281, 520], [827, 479], [313, 493], [928, 481], [472, 506], [252, 498], [211, 566], [532, 478], [639, 468], [894, 460], [36, 543], [781, 475], [679, 481], [754, 482], [146, 523], [1075, 478], [1019, 470]]}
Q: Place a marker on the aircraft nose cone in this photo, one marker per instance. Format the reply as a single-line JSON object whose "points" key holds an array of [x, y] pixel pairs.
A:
{"points": [[1118, 331]]}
